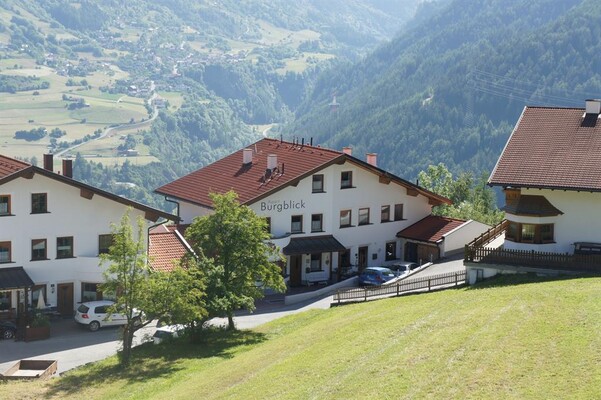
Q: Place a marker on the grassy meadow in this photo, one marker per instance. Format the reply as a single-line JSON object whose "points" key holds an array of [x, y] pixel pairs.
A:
{"points": [[513, 338], [25, 111]]}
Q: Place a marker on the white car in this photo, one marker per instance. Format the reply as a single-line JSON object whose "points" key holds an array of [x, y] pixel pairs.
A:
{"points": [[94, 315], [167, 332]]}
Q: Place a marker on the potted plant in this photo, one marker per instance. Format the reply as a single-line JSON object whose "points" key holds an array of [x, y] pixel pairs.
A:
{"points": [[38, 327]]}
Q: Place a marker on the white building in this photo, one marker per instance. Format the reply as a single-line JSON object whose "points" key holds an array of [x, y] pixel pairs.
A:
{"points": [[550, 171], [52, 230], [327, 210]]}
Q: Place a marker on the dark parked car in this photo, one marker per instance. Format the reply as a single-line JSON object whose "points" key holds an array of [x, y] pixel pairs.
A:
{"points": [[8, 330], [375, 276]]}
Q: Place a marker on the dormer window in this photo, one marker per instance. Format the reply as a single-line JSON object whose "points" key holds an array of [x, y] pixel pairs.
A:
{"points": [[346, 179]]}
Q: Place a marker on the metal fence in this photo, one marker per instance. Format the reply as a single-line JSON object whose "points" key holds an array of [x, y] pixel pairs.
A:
{"points": [[396, 289]]}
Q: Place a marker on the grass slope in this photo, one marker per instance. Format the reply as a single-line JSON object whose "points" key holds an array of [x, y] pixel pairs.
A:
{"points": [[516, 338]]}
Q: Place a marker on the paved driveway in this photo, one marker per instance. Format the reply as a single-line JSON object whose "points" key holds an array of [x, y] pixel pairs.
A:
{"points": [[71, 345]]}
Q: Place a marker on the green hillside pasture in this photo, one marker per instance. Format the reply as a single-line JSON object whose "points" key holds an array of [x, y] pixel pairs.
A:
{"points": [[516, 338], [175, 100], [301, 63]]}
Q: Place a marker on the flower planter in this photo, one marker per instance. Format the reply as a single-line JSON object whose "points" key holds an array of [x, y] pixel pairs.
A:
{"points": [[37, 333]]}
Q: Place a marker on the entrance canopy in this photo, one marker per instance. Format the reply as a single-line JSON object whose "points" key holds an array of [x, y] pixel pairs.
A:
{"points": [[312, 245], [14, 278]]}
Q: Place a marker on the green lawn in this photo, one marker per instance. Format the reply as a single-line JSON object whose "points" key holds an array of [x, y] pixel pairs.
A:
{"points": [[515, 338]]}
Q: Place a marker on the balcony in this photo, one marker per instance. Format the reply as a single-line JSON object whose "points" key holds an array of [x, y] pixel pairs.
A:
{"points": [[476, 252]]}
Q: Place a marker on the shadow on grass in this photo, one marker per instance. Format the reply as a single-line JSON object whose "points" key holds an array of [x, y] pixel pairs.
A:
{"points": [[150, 361], [522, 279]]}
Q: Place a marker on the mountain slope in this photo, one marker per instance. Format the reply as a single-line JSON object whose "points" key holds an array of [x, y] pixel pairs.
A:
{"points": [[450, 88]]}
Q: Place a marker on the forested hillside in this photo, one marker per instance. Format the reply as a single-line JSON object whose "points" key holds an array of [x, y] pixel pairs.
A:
{"points": [[451, 86], [168, 85]]}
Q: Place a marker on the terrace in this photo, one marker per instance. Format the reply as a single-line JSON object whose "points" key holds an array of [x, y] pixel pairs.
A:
{"points": [[478, 253]]}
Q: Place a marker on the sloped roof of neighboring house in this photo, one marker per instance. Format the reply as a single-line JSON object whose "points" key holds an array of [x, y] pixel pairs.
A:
{"points": [[166, 246], [294, 162], [556, 148], [9, 166], [11, 169], [430, 229]]}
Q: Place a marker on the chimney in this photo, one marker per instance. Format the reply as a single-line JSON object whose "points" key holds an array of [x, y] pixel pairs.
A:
{"points": [[49, 162], [272, 161], [372, 159], [347, 150], [247, 156], [68, 168], [593, 106]]}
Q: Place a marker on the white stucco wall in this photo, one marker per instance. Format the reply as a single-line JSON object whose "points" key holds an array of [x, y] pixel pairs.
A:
{"points": [[455, 240], [69, 214], [580, 222]]}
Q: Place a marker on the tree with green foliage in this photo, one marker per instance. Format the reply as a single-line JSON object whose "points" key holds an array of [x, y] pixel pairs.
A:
{"points": [[143, 295], [242, 263], [471, 200]]}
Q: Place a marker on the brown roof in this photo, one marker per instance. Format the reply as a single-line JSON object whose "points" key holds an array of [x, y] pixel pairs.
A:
{"points": [[530, 205], [10, 166], [166, 247], [294, 161], [430, 229], [552, 148]]}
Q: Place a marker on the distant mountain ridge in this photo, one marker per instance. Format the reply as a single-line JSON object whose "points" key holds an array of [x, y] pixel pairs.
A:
{"points": [[450, 88]]}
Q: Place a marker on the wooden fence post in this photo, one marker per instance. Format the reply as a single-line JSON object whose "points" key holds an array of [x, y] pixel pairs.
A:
{"points": [[428, 284]]}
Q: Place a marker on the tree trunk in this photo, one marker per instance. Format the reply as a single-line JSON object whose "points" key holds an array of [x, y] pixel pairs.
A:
{"points": [[230, 321], [128, 335]]}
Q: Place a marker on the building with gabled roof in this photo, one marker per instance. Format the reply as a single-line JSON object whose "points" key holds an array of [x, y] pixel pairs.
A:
{"points": [[328, 211], [550, 171], [166, 247], [52, 230]]}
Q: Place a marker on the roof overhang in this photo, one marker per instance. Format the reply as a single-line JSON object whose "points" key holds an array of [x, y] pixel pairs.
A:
{"points": [[313, 245], [14, 278]]}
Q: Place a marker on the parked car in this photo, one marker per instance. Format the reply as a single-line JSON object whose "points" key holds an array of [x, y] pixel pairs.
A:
{"points": [[403, 267], [94, 315], [167, 332], [375, 276], [8, 330]]}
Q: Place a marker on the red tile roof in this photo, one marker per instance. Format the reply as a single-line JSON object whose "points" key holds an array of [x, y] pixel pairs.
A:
{"points": [[166, 247], [10, 166], [430, 229], [294, 162], [552, 148]]}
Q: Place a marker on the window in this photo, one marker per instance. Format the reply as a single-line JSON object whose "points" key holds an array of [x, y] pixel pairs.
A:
{"points": [[315, 262], [5, 252], [317, 223], [317, 183], [39, 203], [104, 242], [5, 301], [4, 205], [530, 233], [64, 247], [90, 292], [38, 249], [391, 251], [345, 218], [546, 233], [398, 212], [296, 225], [268, 225], [385, 214], [363, 216], [346, 180]]}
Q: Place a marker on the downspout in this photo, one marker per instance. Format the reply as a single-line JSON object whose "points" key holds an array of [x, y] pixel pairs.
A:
{"points": [[177, 205]]}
